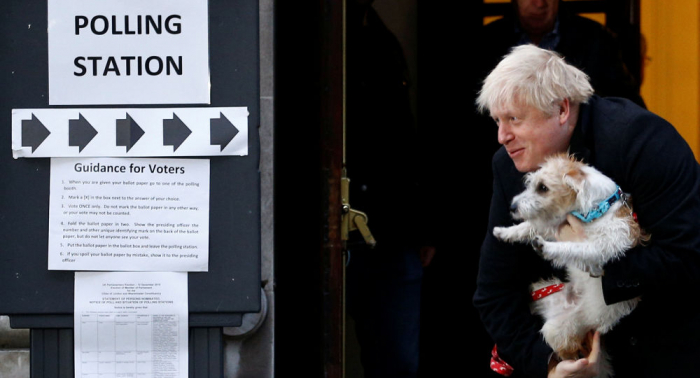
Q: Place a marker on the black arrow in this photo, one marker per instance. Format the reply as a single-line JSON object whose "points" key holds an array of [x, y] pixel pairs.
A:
{"points": [[222, 131], [175, 132], [80, 132], [128, 132], [33, 133]]}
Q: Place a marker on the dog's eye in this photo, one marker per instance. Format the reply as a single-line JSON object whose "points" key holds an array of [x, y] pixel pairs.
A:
{"points": [[542, 188]]}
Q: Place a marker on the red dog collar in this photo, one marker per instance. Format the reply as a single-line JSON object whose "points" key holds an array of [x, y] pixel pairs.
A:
{"points": [[545, 291], [497, 364]]}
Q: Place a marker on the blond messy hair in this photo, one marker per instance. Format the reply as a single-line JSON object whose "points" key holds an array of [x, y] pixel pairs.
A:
{"points": [[535, 77]]}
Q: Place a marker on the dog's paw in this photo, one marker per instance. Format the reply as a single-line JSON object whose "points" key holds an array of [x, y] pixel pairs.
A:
{"points": [[594, 270], [538, 244], [500, 233], [505, 234]]}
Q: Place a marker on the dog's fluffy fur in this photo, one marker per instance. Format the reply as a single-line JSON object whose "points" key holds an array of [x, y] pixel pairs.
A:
{"points": [[560, 186]]}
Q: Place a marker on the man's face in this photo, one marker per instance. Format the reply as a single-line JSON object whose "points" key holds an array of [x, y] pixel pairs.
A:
{"points": [[537, 16], [530, 136]]}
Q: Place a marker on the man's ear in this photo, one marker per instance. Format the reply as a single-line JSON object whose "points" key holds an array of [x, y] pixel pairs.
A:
{"points": [[564, 111]]}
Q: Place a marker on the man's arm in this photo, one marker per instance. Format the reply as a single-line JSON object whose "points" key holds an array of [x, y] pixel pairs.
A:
{"points": [[502, 296], [664, 178]]}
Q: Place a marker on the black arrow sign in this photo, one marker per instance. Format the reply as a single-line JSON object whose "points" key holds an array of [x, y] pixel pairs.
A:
{"points": [[175, 132], [128, 132], [33, 133], [80, 132], [222, 131]]}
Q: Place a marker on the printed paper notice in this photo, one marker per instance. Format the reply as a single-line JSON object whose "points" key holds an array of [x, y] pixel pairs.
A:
{"points": [[131, 325], [129, 214], [128, 52]]}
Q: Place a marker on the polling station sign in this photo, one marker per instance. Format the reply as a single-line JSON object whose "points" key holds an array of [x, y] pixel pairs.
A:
{"points": [[128, 52]]}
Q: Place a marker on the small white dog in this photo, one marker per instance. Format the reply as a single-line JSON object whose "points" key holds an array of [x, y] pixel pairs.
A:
{"points": [[562, 186]]}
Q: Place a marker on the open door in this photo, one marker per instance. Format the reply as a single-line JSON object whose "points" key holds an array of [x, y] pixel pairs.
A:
{"points": [[309, 262]]}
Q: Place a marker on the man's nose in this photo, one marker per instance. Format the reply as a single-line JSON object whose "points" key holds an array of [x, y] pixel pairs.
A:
{"points": [[504, 134]]}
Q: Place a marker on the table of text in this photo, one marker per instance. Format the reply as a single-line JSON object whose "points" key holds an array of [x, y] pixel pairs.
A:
{"points": [[129, 345]]}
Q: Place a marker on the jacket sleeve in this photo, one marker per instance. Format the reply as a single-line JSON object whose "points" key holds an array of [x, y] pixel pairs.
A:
{"points": [[664, 179], [502, 295]]}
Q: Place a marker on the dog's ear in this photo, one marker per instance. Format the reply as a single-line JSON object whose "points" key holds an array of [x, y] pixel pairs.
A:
{"points": [[598, 187], [575, 178], [590, 186]]}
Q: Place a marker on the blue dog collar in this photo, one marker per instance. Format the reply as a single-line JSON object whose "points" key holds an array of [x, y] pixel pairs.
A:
{"points": [[602, 208]]}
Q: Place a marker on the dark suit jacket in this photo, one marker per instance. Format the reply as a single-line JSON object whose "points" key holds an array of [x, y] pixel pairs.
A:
{"points": [[647, 157]]}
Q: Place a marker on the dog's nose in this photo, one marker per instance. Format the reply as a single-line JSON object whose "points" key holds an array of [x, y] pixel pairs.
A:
{"points": [[513, 207]]}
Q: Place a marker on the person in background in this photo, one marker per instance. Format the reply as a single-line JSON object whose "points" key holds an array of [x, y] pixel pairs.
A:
{"points": [[384, 283], [584, 44]]}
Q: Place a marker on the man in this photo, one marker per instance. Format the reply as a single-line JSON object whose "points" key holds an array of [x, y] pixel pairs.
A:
{"points": [[543, 105]]}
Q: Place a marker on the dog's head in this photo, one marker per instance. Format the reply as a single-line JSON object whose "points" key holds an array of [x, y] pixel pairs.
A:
{"points": [[560, 186]]}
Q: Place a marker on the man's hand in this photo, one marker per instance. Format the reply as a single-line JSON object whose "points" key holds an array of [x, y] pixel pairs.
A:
{"points": [[572, 230], [426, 255], [584, 368]]}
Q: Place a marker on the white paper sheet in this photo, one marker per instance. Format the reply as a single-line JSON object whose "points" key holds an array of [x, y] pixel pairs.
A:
{"points": [[128, 52], [129, 132], [131, 325], [129, 214]]}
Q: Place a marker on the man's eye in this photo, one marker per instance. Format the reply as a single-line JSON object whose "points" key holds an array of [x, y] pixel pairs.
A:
{"points": [[513, 119], [542, 188]]}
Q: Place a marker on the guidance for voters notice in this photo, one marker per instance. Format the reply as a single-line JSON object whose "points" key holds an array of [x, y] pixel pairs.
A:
{"points": [[131, 324], [121, 214]]}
